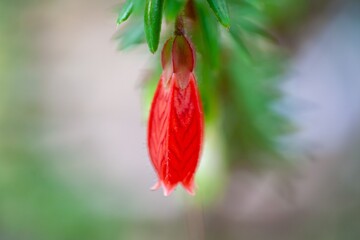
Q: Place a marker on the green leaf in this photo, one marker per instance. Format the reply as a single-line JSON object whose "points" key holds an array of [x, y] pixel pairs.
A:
{"points": [[249, 117], [208, 82], [221, 11], [235, 33], [172, 8], [152, 21], [131, 35], [125, 12], [254, 28], [210, 36]]}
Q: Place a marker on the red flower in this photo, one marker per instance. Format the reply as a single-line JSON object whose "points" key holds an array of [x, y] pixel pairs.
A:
{"points": [[175, 129]]}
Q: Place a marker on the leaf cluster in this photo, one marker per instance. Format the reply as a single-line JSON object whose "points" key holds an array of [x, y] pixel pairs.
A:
{"points": [[239, 64]]}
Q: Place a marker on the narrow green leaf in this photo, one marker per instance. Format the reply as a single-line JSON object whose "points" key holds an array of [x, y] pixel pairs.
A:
{"points": [[251, 121], [172, 8], [125, 11], [254, 28], [210, 35], [152, 21], [235, 33], [131, 35], [221, 11]]}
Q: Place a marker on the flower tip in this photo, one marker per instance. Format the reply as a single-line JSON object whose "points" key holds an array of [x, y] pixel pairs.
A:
{"points": [[156, 186], [190, 191], [168, 192], [152, 49], [118, 22], [168, 189], [189, 187]]}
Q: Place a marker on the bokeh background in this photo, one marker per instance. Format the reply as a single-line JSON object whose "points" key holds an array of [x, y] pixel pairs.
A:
{"points": [[73, 157]]}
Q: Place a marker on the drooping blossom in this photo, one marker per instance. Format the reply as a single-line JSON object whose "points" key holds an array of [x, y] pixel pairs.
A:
{"points": [[175, 127]]}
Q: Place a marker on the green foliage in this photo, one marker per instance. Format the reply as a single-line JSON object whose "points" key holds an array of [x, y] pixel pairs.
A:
{"points": [[173, 8], [132, 34], [238, 69], [243, 90], [125, 12], [221, 11], [210, 35], [251, 125], [152, 23]]}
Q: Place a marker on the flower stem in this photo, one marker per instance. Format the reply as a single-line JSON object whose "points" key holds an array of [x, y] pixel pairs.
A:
{"points": [[179, 26]]}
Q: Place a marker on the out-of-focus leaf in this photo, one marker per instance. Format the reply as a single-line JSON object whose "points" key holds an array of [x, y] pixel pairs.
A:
{"points": [[172, 8], [210, 36], [252, 27], [131, 35], [235, 34], [221, 11], [152, 22], [125, 11], [208, 80], [286, 12], [242, 10], [138, 8], [251, 126]]}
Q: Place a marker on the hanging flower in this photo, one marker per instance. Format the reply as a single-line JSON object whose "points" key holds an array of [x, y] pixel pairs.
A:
{"points": [[175, 127]]}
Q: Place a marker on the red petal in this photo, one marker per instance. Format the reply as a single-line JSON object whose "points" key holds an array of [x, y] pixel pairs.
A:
{"points": [[183, 58], [189, 185], [158, 126], [166, 53], [186, 132], [166, 61], [175, 134]]}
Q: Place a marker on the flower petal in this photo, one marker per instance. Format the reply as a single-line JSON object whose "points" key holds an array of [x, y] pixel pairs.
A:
{"points": [[183, 60], [166, 61]]}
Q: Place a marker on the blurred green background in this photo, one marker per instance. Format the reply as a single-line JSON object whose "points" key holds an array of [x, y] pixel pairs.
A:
{"points": [[73, 157]]}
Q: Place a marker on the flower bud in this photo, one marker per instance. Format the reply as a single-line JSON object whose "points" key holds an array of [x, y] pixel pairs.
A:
{"points": [[175, 127]]}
